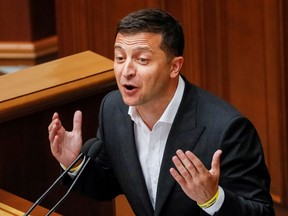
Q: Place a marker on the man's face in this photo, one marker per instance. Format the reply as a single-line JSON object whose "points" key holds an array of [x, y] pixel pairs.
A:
{"points": [[142, 70]]}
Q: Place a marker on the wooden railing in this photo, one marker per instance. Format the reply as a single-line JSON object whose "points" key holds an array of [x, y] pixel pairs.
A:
{"points": [[54, 82]]}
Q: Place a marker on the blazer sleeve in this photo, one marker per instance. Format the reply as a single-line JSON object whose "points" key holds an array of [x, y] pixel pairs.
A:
{"points": [[98, 179], [244, 175]]}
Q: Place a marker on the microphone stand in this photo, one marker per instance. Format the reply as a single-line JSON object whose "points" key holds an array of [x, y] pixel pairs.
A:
{"points": [[92, 154], [55, 182], [85, 149], [70, 188]]}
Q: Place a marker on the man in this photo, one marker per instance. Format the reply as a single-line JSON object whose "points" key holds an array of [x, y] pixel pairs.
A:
{"points": [[163, 137]]}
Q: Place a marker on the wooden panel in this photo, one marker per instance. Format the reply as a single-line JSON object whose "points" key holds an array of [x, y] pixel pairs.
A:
{"points": [[281, 210], [53, 74], [42, 17], [26, 20], [12, 14], [11, 204], [28, 50], [275, 100], [122, 207], [27, 90], [27, 32], [284, 96], [189, 13], [90, 25]]}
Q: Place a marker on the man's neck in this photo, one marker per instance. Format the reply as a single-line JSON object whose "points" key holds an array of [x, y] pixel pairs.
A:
{"points": [[151, 114]]}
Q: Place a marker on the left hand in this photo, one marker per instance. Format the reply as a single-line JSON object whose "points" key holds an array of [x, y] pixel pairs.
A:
{"points": [[197, 182]]}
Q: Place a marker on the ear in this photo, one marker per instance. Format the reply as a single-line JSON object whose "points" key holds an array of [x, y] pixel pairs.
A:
{"points": [[176, 65]]}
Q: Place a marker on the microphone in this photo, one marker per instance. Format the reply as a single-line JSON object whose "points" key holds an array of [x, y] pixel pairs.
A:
{"points": [[87, 145], [84, 151], [92, 154]]}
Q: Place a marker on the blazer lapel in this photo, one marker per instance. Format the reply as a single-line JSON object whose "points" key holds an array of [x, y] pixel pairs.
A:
{"points": [[184, 135], [137, 193]]}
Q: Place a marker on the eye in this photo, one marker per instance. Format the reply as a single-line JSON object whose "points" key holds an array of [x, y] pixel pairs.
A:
{"points": [[119, 59], [143, 61]]}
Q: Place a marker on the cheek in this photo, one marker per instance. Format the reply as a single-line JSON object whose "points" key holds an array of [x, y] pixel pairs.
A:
{"points": [[117, 71], [146, 77]]}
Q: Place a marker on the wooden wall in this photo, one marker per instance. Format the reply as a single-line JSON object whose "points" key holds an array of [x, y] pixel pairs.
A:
{"points": [[27, 32], [236, 49]]}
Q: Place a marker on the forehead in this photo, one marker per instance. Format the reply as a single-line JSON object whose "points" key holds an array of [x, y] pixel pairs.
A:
{"points": [[139, 40]]}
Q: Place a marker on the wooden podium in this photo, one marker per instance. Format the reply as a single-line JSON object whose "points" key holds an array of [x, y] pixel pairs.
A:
{"points": [[11, 204], [53, 82], [28, 99]]}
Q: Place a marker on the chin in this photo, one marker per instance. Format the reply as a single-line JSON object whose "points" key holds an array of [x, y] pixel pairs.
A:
{"points": [[129, 102]]}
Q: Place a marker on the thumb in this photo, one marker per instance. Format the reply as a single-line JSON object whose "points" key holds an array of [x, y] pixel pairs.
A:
{"points": [[77, 121], [215, 165]]}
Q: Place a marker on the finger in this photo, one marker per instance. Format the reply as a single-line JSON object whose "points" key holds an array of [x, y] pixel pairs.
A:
{"points": [[187, 162], [55, 118], [181, 168], [53, 132], [55, 146], [77, 121], [215, 164], [198, 165], [177, 176]]}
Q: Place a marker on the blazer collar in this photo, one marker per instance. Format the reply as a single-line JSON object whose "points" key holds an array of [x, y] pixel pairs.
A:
{"points": [[138, 194], [184, 135]]}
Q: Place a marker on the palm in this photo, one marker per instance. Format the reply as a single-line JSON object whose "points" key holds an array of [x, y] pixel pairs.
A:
{"points": [[69, 148], [65, 145]]}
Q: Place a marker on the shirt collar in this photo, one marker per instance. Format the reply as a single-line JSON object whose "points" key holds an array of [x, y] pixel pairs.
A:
{"points": [[171, 110]]}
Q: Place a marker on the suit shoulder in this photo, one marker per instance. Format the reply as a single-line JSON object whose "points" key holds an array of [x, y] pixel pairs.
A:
{"points": [[212, 108], [113, 99], [113, 95], [213, 103]]}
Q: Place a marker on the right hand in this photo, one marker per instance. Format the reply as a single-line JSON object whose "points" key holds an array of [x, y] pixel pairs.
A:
{"points": [[65, 145]]}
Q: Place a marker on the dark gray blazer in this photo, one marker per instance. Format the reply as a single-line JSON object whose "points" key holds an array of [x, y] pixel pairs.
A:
{"points": [[203, 124]]}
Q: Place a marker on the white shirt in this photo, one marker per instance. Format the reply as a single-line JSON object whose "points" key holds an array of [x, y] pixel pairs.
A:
{"points": [[151, 144]]}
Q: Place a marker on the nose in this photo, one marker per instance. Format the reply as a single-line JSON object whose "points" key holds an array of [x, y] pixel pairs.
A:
{"points": [[128, 69]]}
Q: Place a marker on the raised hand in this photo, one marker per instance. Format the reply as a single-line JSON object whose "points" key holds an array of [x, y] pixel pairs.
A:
{"points": [[196, 181], [65, 145]]}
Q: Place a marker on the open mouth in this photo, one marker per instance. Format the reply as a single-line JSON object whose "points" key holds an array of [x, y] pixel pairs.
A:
{"points": [[129, 87]]}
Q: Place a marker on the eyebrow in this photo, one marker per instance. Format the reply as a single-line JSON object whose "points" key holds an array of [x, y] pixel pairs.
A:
{"points": [[117, 47], [140, 48]]}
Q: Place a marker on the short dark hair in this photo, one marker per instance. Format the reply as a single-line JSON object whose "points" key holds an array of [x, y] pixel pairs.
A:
{"points": [[155, 21]]}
